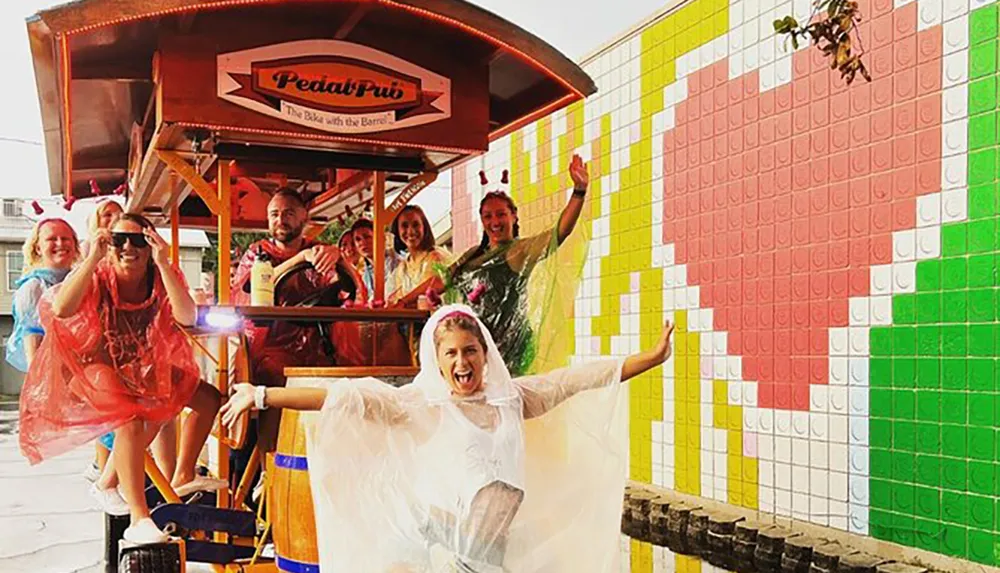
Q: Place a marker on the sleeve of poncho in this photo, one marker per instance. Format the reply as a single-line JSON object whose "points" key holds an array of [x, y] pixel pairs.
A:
{"points": [[27, 322]]}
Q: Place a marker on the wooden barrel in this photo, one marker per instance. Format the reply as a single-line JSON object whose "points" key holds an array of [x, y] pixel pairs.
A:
{"points": [[293, 521]]}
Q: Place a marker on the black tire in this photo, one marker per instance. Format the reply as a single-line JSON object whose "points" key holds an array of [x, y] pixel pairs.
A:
{"points": [[156, 558], [114, 528]]}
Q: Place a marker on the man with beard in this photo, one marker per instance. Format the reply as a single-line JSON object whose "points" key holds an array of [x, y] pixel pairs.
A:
{"points": [[280, 344]]}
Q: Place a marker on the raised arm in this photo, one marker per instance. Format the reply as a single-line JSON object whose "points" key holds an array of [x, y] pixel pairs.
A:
{"points": [[247, 396], [182, 306], [67, 301], [571, 212]]}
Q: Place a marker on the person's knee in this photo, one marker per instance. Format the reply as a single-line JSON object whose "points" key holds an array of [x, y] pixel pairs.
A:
{"points": [[129, 429], [209, 399]]}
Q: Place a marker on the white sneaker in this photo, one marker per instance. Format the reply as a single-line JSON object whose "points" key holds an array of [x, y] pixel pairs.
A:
{"points": [[109, 500], [200, 483], [144, 532], [92, 473]]}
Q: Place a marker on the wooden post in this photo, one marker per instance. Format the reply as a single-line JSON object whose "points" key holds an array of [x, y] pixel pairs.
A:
{"points": [[225, 243]]}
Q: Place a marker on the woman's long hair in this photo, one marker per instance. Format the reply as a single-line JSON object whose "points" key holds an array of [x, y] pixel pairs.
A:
{"points": [[426, 242]]}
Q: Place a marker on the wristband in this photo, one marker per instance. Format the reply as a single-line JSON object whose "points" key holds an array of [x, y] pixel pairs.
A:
{"points": [[580, 192], [258, 397]]}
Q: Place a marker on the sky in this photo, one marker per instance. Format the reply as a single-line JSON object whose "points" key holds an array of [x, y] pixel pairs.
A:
{"points": [[575, 27]]}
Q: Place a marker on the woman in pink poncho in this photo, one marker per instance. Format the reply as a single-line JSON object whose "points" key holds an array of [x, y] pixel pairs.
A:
{"points": [[114, 359]]}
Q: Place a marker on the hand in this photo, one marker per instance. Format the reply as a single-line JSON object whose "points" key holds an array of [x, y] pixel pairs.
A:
{"points": [[323, 258], [161, 250], [663, 348], [99, 246], [240, 401], [578, 172]]}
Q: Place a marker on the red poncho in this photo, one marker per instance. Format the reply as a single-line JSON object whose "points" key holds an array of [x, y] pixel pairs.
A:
{"points": [[295, 344], [108, 364]]}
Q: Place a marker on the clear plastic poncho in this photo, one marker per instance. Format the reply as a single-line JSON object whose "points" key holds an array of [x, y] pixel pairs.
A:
{"points": [[27, 321], [525, 476]]}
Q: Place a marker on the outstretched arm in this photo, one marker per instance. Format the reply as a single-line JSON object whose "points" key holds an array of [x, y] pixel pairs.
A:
{"points": [[571, 212], [246, 396], [543, 393]]}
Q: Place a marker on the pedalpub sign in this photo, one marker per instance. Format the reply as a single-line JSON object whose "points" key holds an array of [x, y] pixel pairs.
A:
{"points": [[333, 86]]}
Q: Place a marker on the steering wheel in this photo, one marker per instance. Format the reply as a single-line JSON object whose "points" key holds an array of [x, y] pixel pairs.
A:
{"points": [[333, 295]]}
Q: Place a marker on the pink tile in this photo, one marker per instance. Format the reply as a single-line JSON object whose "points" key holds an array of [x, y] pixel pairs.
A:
{"points": [[928, 177], [800, 65], [861, 131], [721, 171], [904, 151], [818, 62], [928, 144], [904, 214], [783, 98], [840, 137], [881, 62], [734, 114], [819, 111], [840, 167], [720, 71], [904, 118], [800, 119], [840, 112], [881, 29], [720, 146], [720, 122], [767, 130], [750, 163], [706, 102], [751, 85], [905, 84], [881, 190], [820, 171], [904, 183], [819, 143], [881, 125], [929, 112], [860, 99], [904, 21], [751, 136], [929, 78], [881, 155], [800, 148], [840, 195], [860, 162], [800, 94], [751, 110], [768, 103], [766, 158], [735, 90], [707, 78], [783, 153], [882, 93], [819, 85], [783, 126], [880, 7], [904, 52], [720, 95], [929, 44]]}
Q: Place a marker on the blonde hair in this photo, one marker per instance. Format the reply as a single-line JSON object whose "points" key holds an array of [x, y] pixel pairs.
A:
{"points": [[459, 321], [32, 256], [95, 217]]}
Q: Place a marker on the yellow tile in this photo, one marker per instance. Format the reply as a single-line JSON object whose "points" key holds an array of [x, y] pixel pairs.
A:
{"points": [[720, 393], [735, 418]]}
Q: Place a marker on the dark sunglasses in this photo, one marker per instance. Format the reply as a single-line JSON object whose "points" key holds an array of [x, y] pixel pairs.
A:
{"points": [[138, 240]]}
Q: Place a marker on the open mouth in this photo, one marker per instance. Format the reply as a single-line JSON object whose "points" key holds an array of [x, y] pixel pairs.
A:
{"points": [[464, 378]]}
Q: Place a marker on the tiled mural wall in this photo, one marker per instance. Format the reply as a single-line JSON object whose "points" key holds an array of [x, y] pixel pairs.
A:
{"points": [[829, 255]]}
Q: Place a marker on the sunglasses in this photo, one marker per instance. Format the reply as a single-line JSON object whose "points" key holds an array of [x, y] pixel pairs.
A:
{"points": [[138, 240]]}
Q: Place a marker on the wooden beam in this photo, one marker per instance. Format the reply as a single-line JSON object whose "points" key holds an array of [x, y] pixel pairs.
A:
{"points": [[207, 192], [378, 210]]}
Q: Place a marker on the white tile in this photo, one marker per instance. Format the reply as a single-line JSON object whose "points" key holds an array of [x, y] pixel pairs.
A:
{"points": [[838, 342], [858, 400], [859, 460], [765, 473], [819, 454], [881, 280], [800, 452], [904, 277], [859, 340], [783, 476], [765, 447], [858, 490], [782, 503], [928, 243], [904, 245], [818, 398], [858, 427], [956, 35], [840, 459], [819, 510], [839, 371], [859, 315], [931, 13], [955, 8], [838, 515], [839, 405], [954, 205], [783, 450]]}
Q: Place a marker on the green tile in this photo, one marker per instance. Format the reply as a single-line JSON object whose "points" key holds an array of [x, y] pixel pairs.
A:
{"points": [[954, 474], [955, 340], [880, 524], [981, 410], [981, 546], [881, 463], [904, 306], [982, 236], [904, 373], [928, 534], [881, 402], [982, 271], [904, 341], [904, 404], [953, 407], [880, 433], [982, 305], [996, 411], [928, 307], [956, 306], [982, 166], [904, 436], [953, 374], [954, 440], [954, 507], [880, 341], [982, 478], [981, 375], [981, 512], [929, 339], [955, 270], [953, 241], [880, 372], [928, 406], [903, 529], [928, 369], [881, 493], [929, 470], [983, 24], [928, 502], [928, 278], [903, 498], [982, 443], [983, 202], [928, 438], [954, 541], [983, 95], [904, 467], [983, 59], [982, 131], [982, 340]]}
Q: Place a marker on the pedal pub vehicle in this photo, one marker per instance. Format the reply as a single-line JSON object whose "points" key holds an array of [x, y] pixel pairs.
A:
{"points": [[202, 107]]}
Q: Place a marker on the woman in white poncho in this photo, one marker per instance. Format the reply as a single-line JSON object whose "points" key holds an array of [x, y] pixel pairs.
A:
{"points": [[466, 469]]}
